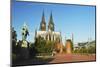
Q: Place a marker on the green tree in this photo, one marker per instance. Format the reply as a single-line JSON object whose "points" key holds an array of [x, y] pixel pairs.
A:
{"points": [[91, 49], [43, 46]]}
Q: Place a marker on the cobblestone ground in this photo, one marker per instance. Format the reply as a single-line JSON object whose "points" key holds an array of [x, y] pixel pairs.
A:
{"points": [[60, 58]]}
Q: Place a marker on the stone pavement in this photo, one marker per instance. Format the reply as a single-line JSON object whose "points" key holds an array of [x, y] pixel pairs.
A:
{"points": [[60, 58]]}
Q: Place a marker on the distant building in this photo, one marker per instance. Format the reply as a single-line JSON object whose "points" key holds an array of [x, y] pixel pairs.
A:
{"points": [[49, 33], [76, 47], [85, 44], [69, 46]]}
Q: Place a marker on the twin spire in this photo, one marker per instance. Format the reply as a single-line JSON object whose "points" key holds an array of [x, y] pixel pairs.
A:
{"points": [[50, 24], [43, 18]]}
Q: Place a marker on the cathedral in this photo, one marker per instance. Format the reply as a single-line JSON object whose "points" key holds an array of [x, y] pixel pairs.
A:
{"points": [[47, 32]]}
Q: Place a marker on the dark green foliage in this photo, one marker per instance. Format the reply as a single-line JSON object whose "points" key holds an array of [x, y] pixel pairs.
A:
{"points": [[49, 46], [14, 40], [43, 46], [92, 49], [83, 50]]}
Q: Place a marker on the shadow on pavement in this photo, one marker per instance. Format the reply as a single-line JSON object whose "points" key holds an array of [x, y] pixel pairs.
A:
{"points": [[34, 61]]}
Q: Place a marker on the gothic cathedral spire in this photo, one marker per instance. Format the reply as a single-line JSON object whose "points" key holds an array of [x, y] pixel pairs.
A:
{"points": [[51, 23], [43, 23]]}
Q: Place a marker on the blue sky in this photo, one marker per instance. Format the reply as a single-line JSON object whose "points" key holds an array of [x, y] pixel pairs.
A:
{"points": [[76, 19]]}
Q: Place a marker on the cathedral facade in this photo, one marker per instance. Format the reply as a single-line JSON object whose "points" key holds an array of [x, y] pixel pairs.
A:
{"points": [[47, 32]]}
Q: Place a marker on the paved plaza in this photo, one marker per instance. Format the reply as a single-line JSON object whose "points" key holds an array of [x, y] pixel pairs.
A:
{"points": [[59, 58], [72, 58]]}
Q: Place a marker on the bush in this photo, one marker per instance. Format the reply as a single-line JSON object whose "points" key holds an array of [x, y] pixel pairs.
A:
{"points": [[43, 46]]}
